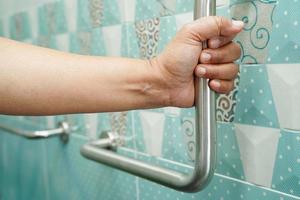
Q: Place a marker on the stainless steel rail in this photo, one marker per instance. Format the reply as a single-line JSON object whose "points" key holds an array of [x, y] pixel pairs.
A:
{"points": [[102, 150], [63, 130]]}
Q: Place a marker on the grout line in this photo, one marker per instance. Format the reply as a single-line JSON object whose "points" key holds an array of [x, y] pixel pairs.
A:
{"points": [[223, 176], [134, 151], [261, 187]]}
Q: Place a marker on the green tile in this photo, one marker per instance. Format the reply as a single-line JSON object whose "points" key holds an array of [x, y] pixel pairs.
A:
{"points": [[1, 28], [184, 6], [52, 19], [255, 104], [72, 176], [24, 168], [19, 26], [287, 166]]}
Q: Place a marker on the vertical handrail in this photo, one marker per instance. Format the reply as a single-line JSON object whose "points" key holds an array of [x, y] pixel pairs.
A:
{"points": [[103, 152]]}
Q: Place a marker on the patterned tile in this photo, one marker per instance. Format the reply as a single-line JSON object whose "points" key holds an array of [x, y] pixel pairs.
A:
{"points": [[254, 40], [95, 13], [226, 104], [147, 32]]}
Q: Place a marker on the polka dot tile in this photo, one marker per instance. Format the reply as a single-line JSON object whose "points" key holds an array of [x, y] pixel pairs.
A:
{"points": [[285, 37], [254, 99], [286, 176], [167, 30], [220, 187], [228, 158]]}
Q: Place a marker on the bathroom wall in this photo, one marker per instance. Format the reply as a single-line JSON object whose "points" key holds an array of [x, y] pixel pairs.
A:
{"points": [[258, 128]]}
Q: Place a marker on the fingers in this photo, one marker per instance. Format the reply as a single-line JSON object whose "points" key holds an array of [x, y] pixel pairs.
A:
{"points": [[225, 54], [213, 26], [222, 71], [221, 76], [221, 86], [220, 41]]}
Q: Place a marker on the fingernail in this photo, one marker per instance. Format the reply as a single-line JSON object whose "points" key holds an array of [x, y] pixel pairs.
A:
{"points": [[237, 23], [215, 43], [201, 71], [216, 83], [206, 56]]}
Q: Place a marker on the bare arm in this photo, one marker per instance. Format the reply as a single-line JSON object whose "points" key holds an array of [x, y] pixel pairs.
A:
{"points": [[40, 81]]}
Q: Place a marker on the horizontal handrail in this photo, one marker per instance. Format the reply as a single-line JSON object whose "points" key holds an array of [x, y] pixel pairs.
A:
{"points": [[63, 129], [103, 152]]}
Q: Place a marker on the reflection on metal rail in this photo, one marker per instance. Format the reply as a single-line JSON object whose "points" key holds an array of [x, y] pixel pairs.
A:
{"points": [[63, 130], [103, 152]]}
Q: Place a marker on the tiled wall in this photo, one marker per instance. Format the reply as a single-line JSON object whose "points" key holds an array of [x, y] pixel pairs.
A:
{"points": [[258, 129]]}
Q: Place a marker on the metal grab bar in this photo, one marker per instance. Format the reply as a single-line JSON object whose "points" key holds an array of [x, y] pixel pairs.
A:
{"points": [[102, 150], [63, 130]]}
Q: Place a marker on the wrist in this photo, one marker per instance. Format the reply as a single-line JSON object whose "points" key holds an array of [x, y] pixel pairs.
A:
{"points": [[160, 90]]}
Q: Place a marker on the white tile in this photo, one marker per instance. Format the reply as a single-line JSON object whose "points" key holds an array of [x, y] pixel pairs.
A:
{"points": [[5, 22], [71, 14], [183, 19], [258, 149], [285, 84], [112, 39], [51, 122], [127, 9], [62, 42], [172, 111], [91, 121], [221, 3], [33, 20], [153, 131], [170, 5]]}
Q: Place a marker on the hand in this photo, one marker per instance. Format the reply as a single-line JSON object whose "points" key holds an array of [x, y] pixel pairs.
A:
{"points": [[184, 57]]}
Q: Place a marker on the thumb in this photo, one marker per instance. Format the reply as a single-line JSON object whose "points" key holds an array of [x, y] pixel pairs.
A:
{"points": [[213, 26]]}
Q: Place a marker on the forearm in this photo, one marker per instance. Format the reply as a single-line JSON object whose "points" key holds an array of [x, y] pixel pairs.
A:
{"points": [[39, 81]]}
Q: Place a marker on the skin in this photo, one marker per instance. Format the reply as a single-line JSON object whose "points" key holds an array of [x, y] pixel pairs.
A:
{"points": [[40, 81]]}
